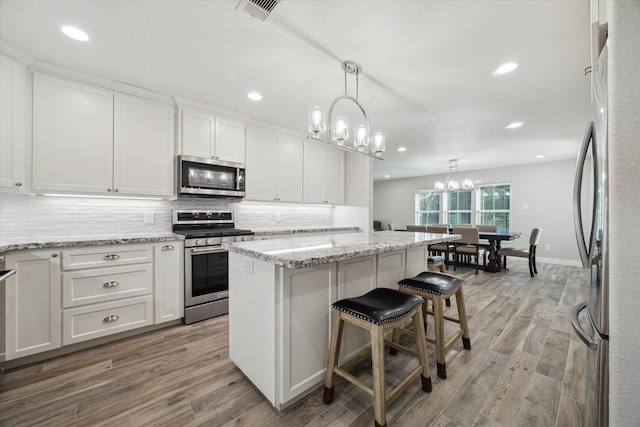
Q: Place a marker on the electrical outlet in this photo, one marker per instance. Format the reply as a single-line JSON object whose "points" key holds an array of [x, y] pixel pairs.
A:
{"points": [[248, 265], [547, 247], [278, 217], [149, 217], [525, 206]]}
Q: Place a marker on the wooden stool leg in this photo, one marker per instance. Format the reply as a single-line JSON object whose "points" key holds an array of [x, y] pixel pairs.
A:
{"points": [[377, 361], [438, 319], [421, 346], [334, 351], [462, 315]]}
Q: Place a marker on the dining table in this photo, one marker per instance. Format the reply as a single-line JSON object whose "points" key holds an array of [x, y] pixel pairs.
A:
{"points": [[495, 238]]}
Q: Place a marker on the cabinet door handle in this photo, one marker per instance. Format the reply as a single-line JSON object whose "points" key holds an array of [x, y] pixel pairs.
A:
{"points": [[167, 248], [111, 284], [109, 190], [111, 318], [116, 190], [18, 184], [111, 257], [54, 255]]}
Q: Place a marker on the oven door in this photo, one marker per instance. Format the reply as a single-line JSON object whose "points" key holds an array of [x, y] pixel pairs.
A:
{"points": [[206, 274]]}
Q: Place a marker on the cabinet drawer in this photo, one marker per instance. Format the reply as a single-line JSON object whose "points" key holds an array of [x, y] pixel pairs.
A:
{"points": [[98, 320], [94, 285], [103, 256]]}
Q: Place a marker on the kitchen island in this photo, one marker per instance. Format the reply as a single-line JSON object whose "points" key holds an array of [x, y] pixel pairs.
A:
{"points": [[280, 295]]}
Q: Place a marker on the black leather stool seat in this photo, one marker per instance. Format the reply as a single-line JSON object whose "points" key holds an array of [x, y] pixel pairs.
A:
{"points": [[433, 282], [380, 305]]}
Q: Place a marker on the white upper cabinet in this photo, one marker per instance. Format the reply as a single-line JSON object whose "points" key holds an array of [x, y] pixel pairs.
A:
{"points": [[210, 135], [12, 125], [324, 172], [143, 146], [274, 167], [75, 148]]}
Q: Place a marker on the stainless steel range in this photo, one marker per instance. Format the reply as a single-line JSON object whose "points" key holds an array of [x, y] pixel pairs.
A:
{"points": [[205, 262]]}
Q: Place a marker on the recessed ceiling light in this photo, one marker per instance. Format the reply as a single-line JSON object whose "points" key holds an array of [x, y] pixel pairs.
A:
{"points": [[254, 96], [539, 156], [75, 33], [506, 68], [514, 125], [401, 149], [386, 176]]}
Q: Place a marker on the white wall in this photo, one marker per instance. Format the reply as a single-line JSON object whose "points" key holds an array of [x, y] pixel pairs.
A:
{"points": [[546, 189], [624, 203]]}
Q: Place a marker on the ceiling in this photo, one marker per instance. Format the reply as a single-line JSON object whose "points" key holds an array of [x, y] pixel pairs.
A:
{"points": [[427, 67]]}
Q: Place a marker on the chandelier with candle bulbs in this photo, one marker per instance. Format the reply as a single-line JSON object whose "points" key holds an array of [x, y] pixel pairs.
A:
{"points": [[327, 129], [452, 183]]}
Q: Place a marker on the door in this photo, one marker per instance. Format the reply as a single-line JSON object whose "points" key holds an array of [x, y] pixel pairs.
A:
{"points": [[72, 136], [143, 147], [32, 298]]}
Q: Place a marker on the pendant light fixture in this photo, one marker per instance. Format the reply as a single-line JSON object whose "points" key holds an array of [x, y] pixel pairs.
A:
{"points": [[327, 129], [452, 183]]}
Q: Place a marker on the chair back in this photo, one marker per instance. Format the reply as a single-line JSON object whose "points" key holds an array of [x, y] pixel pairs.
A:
{"points": [[419, 228], [484, 227], [393, 226], [440, 229], [463, 225], [469, 235], [534, 239], [441, 225]]}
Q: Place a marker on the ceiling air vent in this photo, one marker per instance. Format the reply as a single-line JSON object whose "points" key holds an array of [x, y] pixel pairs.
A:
{"points": [[258, 8]]}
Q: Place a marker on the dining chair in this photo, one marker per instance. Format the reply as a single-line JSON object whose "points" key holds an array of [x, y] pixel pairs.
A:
{"points": [[418, 228], [445, 248], [469, 244], [393, 226], [529, 253]]}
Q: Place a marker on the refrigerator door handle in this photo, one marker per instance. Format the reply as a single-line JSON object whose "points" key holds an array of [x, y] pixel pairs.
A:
{"points": [[582, 334], [577, 197]]}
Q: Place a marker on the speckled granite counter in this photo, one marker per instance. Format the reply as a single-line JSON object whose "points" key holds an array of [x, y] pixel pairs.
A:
{"points": [[276, 231], [307, 251], [62, 242]]}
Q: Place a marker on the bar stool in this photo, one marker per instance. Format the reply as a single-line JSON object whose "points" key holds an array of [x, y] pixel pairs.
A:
{"points": [[436, 287], [435, 261], [376, 311]]}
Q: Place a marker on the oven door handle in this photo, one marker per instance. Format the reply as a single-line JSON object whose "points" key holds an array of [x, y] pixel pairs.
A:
{"points": [[200, 251]]}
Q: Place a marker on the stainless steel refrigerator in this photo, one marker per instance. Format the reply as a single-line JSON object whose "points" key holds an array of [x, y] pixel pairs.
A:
{"points": [[590, 319]]}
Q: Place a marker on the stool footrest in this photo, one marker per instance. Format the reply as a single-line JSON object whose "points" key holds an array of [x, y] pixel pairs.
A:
{"points": [[401, 347], [353, 380]]}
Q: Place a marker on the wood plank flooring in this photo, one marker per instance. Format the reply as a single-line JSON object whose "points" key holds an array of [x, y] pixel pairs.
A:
{"points": [[525, 368]]}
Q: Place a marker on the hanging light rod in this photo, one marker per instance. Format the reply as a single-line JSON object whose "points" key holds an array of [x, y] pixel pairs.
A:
{"points": [[335, 131]]}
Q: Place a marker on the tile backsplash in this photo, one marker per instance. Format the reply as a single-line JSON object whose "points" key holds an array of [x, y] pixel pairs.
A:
{"points": [[39, 217]]}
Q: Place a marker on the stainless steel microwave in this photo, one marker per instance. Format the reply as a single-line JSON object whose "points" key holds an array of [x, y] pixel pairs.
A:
{"points": [[200, 177]]}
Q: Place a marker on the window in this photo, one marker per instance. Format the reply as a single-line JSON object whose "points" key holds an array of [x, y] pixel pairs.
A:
{"points": [[494, 205], [427, 207], [458, 207]]}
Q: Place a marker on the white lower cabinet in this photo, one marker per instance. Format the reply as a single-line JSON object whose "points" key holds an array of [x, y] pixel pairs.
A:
{"points": [[97, 320], [168, 281], [58, 298], [32, 303]]}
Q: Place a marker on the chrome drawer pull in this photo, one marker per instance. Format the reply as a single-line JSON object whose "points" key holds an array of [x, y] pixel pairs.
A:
{"points": [[111, 257], [111, 318], [111, 284], [167, 248]]}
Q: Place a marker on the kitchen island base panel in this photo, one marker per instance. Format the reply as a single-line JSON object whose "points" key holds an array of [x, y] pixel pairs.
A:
{"points": [[279, 319]]}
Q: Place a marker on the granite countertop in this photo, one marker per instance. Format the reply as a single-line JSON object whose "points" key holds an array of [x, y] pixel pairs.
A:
{"points": [[67, 242], [275, 231], [307, 251]]}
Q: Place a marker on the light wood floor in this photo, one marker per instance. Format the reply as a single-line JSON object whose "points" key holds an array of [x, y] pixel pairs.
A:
{"points": [[525, 368]]}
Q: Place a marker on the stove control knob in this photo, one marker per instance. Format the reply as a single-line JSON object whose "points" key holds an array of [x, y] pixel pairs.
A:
{"points": [[223, 240], [198, 242], [237, 239], [210, 242]]}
